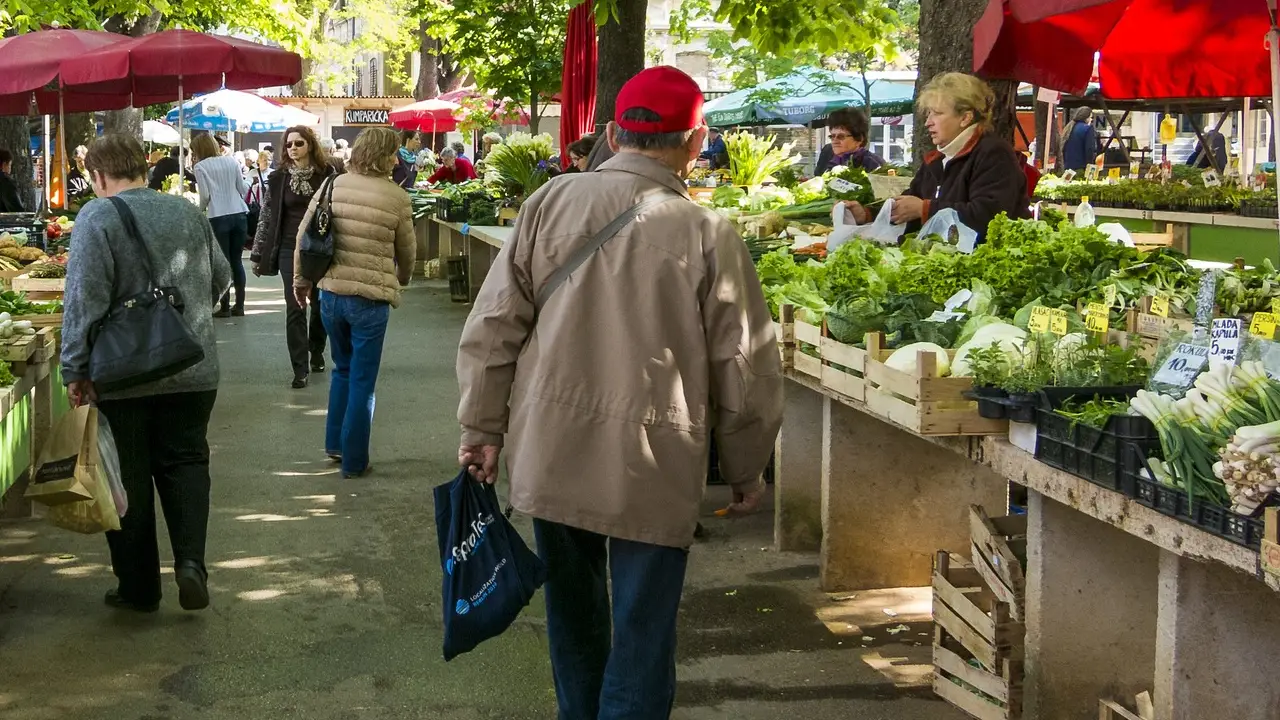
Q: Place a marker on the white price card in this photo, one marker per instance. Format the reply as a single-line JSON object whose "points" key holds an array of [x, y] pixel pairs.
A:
{"points": [[961, 297], [1182, 367], [1225, 340], [841, 185], [940, 316]]}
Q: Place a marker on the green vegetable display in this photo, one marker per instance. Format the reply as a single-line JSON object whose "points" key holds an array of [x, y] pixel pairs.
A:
{"points": [[755, 160]]}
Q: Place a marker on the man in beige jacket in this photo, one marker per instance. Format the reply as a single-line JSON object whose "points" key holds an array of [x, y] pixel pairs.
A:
{"points": [[619, 328]]}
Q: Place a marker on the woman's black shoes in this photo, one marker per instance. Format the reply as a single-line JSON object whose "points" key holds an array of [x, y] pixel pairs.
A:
{"points": [[114, 600], [193, 585], [223, 313], [299, 382], [317, 366], [237, 311]]}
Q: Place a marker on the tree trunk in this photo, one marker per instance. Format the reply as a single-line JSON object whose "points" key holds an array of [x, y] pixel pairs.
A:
{"points": [[81, 129], [946, 45], [621, 55], [129, 120], [15, 137], [533, 113], [429, 69], [302, 88]]}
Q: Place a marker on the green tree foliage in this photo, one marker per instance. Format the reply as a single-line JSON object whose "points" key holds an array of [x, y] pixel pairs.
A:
{"points": [[512, 48]]}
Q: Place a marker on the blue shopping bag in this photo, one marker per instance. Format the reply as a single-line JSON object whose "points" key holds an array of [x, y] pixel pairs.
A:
{"points": [[489, 573]]}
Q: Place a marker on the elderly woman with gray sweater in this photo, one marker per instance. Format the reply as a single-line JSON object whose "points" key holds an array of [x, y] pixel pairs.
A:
{"points": [[160, 427]]}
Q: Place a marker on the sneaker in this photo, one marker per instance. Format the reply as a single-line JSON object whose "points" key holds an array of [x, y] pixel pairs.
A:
{"points": [[299, 382], [193, 585], [317, 366]]}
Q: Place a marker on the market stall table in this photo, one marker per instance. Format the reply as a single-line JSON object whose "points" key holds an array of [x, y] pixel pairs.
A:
{"points": [[1119, 598], [478, 244]]}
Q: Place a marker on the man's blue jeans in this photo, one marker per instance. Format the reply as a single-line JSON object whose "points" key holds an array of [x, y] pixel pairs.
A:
{"points": [[356, 327], [619, 666]]}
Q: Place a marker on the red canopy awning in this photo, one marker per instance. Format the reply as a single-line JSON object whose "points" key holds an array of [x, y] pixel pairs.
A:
{"points": [[1147, 49], [156, 66], [578, 86], [430, 116], [29, 67]]}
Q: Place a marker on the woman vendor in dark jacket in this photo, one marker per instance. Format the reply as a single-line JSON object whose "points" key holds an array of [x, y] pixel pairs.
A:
{"points": [[972, 171], [300, 171]]}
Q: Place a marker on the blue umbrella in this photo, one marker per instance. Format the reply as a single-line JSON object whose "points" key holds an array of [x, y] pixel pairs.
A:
{"points": [[235, 111], [806, 96]]}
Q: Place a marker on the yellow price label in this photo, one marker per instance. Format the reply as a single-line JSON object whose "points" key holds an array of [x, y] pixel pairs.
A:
{"points": [[1109, 295], [1039, 321], [1097, 318], [1160, 306], [1057, 322], [1113, 173], [1263, 325]]}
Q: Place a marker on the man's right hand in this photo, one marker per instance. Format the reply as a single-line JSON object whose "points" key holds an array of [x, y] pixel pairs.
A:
{"points": [[481, 461], [745, 502]]}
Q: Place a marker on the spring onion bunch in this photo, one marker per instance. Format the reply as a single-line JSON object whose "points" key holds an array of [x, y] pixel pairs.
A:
{"points": [[1189, 452]]}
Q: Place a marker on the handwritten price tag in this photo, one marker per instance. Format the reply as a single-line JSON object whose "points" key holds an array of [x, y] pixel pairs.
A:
{"points": [[1097, 318], [1040, 319], [1160, 306], [1058, 322], [841, 185], [1263, 325], [1181, 368], [1225, 340], [1113, 174]]}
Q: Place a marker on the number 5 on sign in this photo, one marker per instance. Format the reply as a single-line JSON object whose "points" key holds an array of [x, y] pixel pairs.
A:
{"points": [[1039, 322], [1097, 318], [1263, 325], [1160, 306]]}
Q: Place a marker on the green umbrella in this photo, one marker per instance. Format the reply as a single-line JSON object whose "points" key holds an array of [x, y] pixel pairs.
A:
{"points": [[804, 97]]}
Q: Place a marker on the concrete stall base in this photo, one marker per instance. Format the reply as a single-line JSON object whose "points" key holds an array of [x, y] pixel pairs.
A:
{"points": [[891, 500], [798, 477]]}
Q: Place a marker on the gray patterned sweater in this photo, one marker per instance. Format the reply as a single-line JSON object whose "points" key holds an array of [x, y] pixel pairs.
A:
{"points": [[105, 266]]}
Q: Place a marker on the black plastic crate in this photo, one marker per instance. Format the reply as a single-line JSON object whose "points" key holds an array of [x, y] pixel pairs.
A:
{"points": [[453, 211], [455, 269], [1095, 454], [1240, 529]]}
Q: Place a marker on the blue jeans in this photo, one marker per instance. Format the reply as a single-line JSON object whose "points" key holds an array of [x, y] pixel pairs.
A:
{"points": [[356, 328], [623, 672], [232, 231]]}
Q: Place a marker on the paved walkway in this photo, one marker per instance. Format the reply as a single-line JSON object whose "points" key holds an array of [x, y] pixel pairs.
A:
{"points": [[326, 597]]}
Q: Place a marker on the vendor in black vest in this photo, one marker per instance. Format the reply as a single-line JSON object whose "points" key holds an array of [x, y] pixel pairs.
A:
{"points": [[972, 171], [300, 171]]}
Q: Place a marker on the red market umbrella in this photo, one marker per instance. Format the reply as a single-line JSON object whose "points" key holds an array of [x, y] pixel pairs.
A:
{"points": [[1147, 49], [432, 116], [578, 88], [29, 68]]}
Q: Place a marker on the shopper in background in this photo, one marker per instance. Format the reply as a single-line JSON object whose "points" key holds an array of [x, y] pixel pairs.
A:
{"points": [[580, 153], [374, 246], [160, 428], [405, 173], [344, 149], [300, 171], [453, 169], [222, 189], [1080, 146], [460, 148], [330, 151], [717, 151], [607, 447], [848, 129], [9, 201], [973, 171], [166, 168]]}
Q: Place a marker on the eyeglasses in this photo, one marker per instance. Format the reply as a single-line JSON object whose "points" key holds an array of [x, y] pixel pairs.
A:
{"points": [[297, 144], [839, 136]]}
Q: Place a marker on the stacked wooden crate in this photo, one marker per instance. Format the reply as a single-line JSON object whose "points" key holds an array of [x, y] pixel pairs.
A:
{"points": [[979, 616]]}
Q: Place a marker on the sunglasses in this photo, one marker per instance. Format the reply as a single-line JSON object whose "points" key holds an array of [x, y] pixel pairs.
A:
{"points": [[297, 144]]}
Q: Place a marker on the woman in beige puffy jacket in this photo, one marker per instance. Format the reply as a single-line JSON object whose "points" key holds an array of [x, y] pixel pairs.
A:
{"points": [[374, 249]]}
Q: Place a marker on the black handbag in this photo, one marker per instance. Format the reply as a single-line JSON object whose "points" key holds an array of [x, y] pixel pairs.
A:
{"points": [[255, 211], [315, 247], [143, 337]]}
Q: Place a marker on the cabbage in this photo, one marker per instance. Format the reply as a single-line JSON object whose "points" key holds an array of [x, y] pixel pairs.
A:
{"points": [[1011, 340], [906, 358]]}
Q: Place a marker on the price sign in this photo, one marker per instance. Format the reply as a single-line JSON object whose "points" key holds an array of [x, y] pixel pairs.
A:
{"points": [[941, 316], [1109, 294], [1211, 178], [1097, 318], [1182, 367], [1263, 325], [1166, 169], [1068, 176], [1058, 322], [841, 185], [1224, 336], [1160, 306], [1091, 173], [1113, 174], [1135, 170], [1040, 319]]}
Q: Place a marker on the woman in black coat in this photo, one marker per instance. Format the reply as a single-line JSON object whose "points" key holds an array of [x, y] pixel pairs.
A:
{"points": [[972, 170], [300, 171]]}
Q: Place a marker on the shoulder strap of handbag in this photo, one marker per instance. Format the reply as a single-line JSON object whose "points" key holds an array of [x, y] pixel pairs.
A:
{"points": [[131, 229], [584, 253]]}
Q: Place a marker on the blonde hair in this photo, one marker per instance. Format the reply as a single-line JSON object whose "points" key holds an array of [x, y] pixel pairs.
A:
{"points": [[203, 147], [374, 153], [963, 93]]}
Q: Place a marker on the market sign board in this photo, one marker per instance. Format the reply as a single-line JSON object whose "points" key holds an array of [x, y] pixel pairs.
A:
{"points": [[366, 116]]}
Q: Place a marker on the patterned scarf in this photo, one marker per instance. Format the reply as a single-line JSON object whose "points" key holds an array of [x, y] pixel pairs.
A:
{"points": [[300, 180]]}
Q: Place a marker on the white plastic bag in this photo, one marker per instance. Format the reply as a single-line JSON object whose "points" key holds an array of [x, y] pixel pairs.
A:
{"points": [[881, 230], [941, 224], [109, 463], [1118, 233]]}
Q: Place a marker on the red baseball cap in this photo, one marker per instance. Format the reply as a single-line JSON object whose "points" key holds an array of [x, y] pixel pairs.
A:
{"points": [[665, 90]]}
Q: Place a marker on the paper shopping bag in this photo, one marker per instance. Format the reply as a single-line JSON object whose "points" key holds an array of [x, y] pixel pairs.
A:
{"points": [[66, 468]]}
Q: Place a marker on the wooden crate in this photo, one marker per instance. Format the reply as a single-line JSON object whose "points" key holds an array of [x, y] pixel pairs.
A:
{"points": [[999, 548], [28, 284], [922, 402], [1154, 327], [1109, 710], [978, 648], [19, 348], [53, 320], [7, 276], [839, 367]]}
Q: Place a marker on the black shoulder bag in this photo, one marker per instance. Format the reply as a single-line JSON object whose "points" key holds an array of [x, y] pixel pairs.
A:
{"points": [[255, 210], [315, 247], [143, 337]]}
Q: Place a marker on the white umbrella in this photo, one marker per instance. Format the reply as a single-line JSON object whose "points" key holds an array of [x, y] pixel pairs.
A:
{"points": [[154, 131], [236, 111]]}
